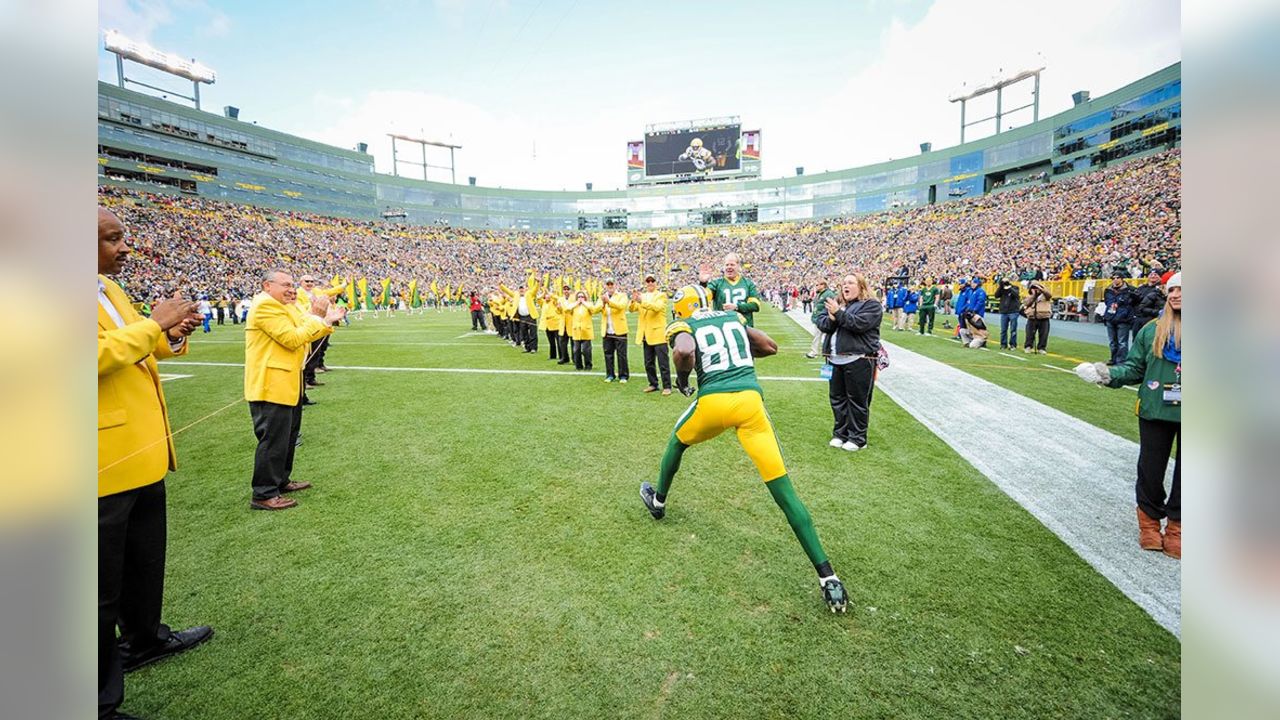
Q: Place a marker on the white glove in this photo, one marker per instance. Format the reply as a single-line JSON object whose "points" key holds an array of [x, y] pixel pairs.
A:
{"points": [[1094, 372]]}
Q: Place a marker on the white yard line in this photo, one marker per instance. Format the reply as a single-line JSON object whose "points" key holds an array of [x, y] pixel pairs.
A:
{"points": [[1074, 477], [1015, 357], [593, 375], [1059, 369]]}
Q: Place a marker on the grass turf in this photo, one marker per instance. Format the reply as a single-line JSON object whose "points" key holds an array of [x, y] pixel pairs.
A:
{"points": [[475, 547]]}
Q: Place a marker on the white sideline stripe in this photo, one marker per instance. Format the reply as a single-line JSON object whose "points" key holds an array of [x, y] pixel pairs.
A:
{"points": [[1015, 357], [166, 377], [354, 343], [594, 375], [1059, 369], [1074, 477]]}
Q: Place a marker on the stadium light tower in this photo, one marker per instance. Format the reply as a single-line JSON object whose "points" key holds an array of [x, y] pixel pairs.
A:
{"points": [[395, 158], [998, 82], [143, 54]]}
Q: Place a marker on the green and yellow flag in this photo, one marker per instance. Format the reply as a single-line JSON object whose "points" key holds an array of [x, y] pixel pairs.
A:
{"points": [[385, 297], [435, 290], [351, 293], [364, 294], [414, 299]]}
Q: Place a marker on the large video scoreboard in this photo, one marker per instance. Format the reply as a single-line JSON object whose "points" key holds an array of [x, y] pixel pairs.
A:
{"points": [[693, 151]]}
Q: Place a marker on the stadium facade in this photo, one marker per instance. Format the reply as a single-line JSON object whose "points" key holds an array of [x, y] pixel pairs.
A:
{"points": [[154, 145]]}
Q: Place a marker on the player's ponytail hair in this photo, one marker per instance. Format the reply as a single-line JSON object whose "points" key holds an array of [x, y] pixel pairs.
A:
{"points": [[1168, 325]]}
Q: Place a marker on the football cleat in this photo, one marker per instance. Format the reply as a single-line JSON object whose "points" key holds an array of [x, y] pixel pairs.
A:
{"points": [[648, 497], [833, 592]]}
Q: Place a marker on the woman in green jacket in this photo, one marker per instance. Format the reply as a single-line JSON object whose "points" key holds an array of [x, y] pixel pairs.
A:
{"points": [[1154, 364]]}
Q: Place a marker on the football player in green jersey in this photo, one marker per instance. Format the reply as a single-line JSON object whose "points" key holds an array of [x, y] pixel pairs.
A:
{"points": [[733, 293], [720, 348]]}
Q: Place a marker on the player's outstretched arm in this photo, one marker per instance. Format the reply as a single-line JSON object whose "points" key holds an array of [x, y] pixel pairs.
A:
{"points": [[761, 344], [683, 356]]}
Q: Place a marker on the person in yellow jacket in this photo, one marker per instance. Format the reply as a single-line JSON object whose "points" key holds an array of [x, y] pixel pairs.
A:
{"points": [[277, 336], [307, 289], [580, 312], [651, 335], [497, 308], [552, 322], [564, 303], [525, 303], [613, 328], [135, 452]]}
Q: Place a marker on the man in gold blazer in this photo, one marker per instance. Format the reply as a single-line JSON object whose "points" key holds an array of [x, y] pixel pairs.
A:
{"points": [[135, 451], [276, 339]]}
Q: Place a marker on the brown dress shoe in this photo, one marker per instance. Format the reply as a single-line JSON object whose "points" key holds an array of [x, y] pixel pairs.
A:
{"points": [[294, 486], [650, 389], [276, 503], [1173, 539], [666, 391], [1149, 532]]}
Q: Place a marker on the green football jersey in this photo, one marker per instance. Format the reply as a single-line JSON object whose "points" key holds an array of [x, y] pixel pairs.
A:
{"points": [[723, 358], [742, 293]]}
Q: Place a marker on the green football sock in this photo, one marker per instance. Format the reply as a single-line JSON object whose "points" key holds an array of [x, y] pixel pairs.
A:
{"points": [[670, 466], [798, 517]]}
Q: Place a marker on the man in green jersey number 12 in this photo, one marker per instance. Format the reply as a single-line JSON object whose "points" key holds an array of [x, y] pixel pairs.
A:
{"points": [[721, 347], [732, 293]]}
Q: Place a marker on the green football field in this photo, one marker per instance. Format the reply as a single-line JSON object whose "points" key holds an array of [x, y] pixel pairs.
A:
{"points": [[474, 546]]}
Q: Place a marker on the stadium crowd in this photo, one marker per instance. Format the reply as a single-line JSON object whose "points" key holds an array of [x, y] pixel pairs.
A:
{"points": [[1122, 219]]}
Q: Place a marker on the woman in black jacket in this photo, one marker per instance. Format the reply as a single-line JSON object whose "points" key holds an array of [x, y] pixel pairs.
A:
{"points": [[852, 341]]}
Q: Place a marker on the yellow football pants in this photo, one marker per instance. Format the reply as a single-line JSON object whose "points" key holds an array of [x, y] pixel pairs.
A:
{"points": [[711, 415]]}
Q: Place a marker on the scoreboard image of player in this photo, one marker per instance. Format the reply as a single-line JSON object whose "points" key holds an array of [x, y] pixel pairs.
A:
{"points": [[704, 151]]}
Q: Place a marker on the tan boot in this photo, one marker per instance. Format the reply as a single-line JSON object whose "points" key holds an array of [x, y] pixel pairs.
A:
{"points": [[1149, 532], [1173, 539]]}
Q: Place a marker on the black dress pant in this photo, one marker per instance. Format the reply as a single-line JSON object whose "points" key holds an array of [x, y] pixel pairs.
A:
{"points": [[615, 346], [1155, 442], [582, 354], [477, 320], [655, 358], [528, 334], [1037, 333], [131, 547], [276, 427], [553, 341], [323, 348], [564, 346], [850, 390], [314, 352]]}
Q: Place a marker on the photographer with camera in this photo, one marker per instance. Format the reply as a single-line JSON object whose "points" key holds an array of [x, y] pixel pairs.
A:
{"points": [[1037, 309]]}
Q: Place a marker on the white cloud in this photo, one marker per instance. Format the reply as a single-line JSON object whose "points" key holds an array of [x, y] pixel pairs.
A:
{"points": [[884, 110]]}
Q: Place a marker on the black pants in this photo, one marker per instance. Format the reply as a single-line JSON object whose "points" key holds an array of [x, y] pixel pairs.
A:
{"points": [[553, 341], [528, 333], [850, 391], [323, 348], [1155, 441], [925, 320], [615, 346], [807, 305], [497, 326], [276, 427], [313, 360], [477, 320], [582, 354], [564, 349], [655, 358], [1138, 324], [221, 315], [131, 546], [1037, 333]]}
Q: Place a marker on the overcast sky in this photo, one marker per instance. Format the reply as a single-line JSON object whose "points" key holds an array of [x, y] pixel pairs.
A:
{"points": [[545, 93]]}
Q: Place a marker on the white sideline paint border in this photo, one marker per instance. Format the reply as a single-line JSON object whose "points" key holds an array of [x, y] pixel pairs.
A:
{"points": [[1074, 477], [467, 371]]}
